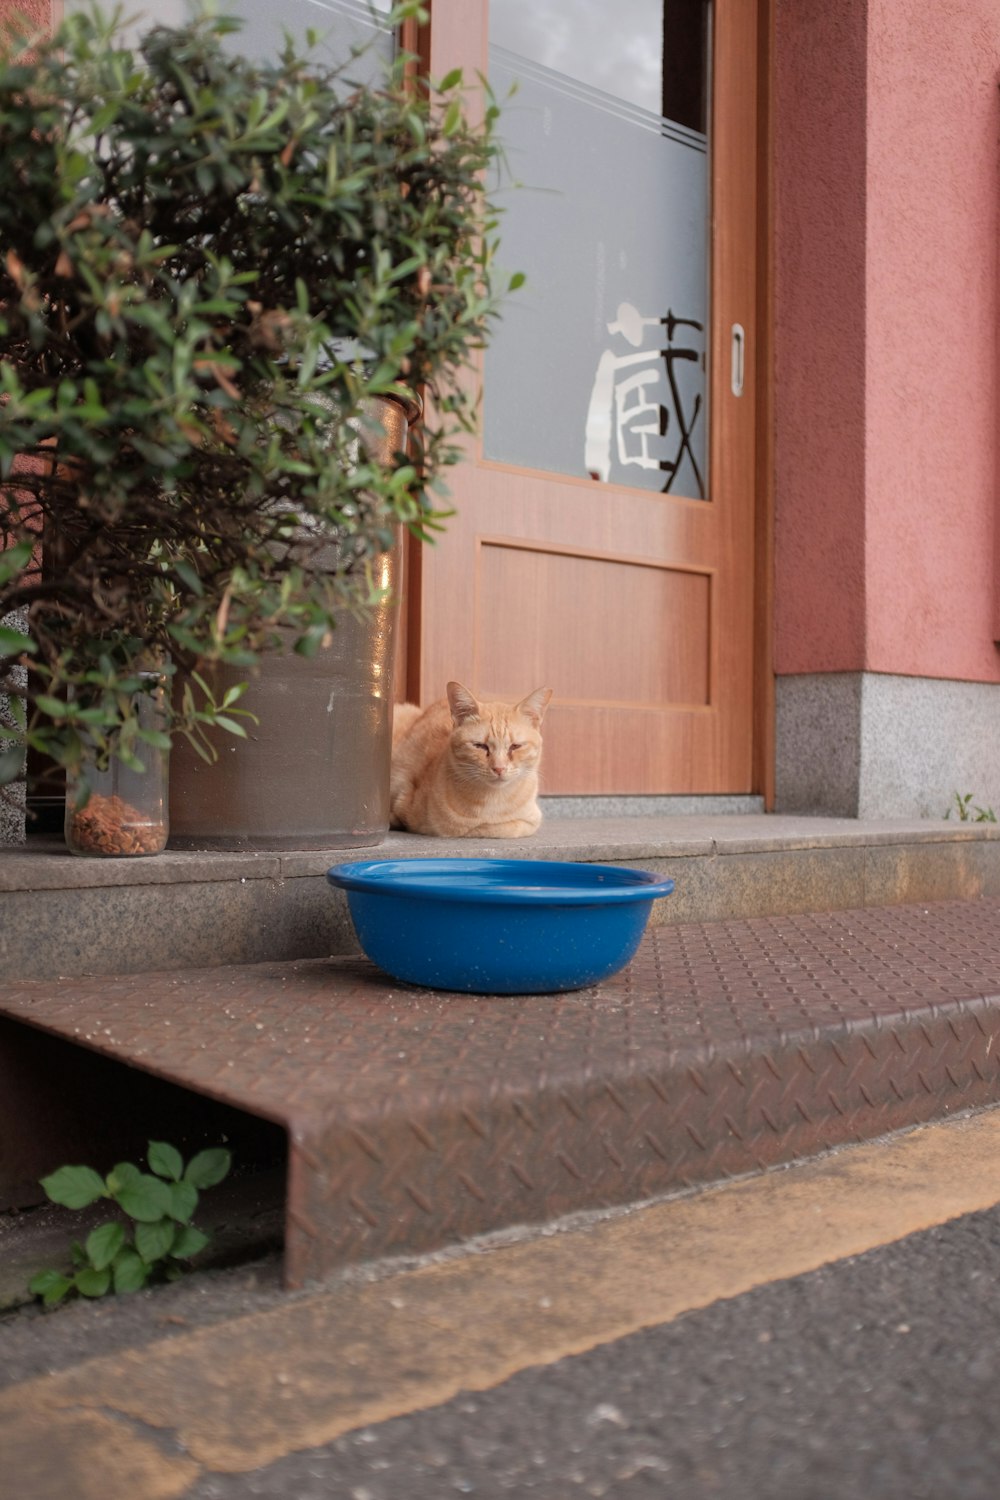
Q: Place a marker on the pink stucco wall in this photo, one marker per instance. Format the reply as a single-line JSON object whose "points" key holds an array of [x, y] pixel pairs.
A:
{"points": [[37, 12], [887, 123], [819, 131]]}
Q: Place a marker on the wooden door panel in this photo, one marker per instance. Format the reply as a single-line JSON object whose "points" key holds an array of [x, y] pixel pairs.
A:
{"points": [[635, 607], [549, 635], [616, 751]]}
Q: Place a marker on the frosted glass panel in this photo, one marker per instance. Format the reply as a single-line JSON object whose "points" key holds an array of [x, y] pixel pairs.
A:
{"points": [[598, 366], [339, 25]]}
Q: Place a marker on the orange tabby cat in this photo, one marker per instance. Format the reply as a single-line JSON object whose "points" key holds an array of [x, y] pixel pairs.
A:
{"points": [[464, 769]]}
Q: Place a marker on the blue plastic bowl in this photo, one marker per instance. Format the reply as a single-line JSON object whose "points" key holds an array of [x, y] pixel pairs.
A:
{"points": [[498, 926]]}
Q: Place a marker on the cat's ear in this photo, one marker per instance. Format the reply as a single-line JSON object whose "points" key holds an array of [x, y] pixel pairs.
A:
{"points": [[533, 707], [461, 702]]}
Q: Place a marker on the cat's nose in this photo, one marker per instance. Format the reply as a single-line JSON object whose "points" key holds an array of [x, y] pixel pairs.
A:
{"points": [[499, 770]]}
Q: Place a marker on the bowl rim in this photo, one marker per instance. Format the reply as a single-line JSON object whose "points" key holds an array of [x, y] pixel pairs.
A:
{"points": [[370, 876]]}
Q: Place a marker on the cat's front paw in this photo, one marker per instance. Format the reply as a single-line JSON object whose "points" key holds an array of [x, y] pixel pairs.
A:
{"points": [[517, 828]]}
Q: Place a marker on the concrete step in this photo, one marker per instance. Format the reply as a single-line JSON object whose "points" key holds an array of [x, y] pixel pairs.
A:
{"points": [[415, 1120], [63, 915]]}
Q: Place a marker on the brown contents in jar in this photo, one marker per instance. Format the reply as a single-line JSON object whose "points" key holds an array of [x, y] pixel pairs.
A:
{"points": [[107, 825]]}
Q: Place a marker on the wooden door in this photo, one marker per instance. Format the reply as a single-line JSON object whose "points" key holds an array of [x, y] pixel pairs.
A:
{"points": [[634, 604]]}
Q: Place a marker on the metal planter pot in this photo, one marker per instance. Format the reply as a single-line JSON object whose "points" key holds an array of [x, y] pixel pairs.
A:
{"points": [[314, 770]]}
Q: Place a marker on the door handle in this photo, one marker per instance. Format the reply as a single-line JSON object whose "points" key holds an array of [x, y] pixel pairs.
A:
{"points": [[738, 359]]}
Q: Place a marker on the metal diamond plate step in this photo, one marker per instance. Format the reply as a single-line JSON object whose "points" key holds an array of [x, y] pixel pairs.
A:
{"points": [[417, 1119]]}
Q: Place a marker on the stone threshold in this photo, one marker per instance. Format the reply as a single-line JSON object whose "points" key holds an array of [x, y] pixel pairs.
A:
{"points": [[43, 863], [61, 914]]}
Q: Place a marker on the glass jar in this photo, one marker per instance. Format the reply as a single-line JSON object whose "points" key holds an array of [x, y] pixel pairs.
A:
{"points": [[116, 810]]}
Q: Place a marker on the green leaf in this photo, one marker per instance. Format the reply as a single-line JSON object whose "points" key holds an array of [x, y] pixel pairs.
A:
{"points": [[208, 1167], [153, 1241], [450, 80], [103, 1245], [130, 1271], [14, 559], [232, 726], [165, 1161], [183, 1201], [15, 642], [52, 1285], [122, 1175], [91, 1283], [188, 1242], [104, 117], [154, 737], [53, 707], [187, 575], [147, 1199], [17, 713], [74, 1187], [452, 118], [11, 765]]}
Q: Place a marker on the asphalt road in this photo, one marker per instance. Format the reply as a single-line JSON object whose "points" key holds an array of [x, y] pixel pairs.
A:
{"points": [[831, 1330], [876, 1377]]}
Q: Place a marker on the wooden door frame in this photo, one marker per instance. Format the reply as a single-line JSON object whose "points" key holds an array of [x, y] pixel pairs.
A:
{"points": [[416, 39], [764, 682]]}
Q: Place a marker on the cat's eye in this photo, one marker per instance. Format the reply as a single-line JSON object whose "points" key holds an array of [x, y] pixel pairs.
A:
{"points": [[481, 745], [518, 746]]}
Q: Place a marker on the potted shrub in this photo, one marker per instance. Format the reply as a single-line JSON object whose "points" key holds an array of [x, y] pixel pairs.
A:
{"points": [[210, 269]]}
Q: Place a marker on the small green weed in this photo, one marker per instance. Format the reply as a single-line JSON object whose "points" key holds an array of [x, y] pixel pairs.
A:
{"points": [[161, 1203], [969, 811]]}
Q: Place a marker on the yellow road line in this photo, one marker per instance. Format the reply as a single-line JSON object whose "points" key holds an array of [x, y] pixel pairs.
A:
{"points": [[242, 1394]]}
